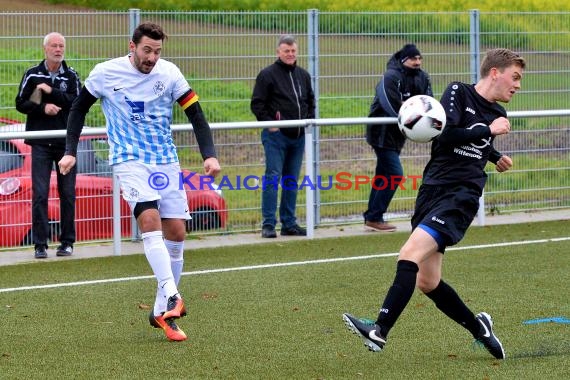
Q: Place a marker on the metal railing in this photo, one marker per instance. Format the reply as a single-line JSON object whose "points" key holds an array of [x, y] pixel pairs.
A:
{"points": [[312, 207]]}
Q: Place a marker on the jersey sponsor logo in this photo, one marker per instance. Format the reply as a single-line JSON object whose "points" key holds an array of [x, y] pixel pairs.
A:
{"points": [[117, 88], [470, 110], [469, 151], [473, 150], [137, 109], [485, 142]]}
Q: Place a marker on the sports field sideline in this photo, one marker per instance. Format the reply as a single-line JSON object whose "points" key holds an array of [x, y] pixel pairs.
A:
{"points": [[11, 257], [273, 309]]}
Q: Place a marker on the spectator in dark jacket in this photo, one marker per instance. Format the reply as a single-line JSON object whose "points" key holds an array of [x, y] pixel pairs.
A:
{"points": [[45, 96], [403, 79], [282, 91]]}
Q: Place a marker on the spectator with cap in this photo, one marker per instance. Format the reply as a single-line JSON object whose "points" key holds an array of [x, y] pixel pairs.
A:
{"points": [[402, 79]]}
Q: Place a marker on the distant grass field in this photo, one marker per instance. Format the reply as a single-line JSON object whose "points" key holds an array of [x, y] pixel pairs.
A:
{"points": [[273, 311]]}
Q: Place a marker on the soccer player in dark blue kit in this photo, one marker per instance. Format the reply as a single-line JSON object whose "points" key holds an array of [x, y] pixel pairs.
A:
{"points": [[448, 200]]}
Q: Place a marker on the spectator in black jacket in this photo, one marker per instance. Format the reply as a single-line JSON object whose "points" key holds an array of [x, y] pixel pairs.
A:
{"points": [[403, 79], [282, 91], [45, 96]]}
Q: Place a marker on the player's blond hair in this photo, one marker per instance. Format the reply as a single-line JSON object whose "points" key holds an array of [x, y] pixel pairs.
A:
{"points": [[500, 59]]}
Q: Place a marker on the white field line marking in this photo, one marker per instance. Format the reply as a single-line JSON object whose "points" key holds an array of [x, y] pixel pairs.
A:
{"points": [[275, 265]]}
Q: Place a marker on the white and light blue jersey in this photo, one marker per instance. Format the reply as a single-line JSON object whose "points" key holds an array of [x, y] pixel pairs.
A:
{"points": [[138, 108]]}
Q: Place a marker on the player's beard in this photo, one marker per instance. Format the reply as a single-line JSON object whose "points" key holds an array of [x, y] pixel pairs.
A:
{"points": [[144, 67]]}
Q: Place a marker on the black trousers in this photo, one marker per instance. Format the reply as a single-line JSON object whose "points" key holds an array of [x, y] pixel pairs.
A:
{"points": [[44, 159]]}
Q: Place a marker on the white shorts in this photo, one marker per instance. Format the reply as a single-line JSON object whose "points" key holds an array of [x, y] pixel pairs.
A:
{"points": [[142, 182]]}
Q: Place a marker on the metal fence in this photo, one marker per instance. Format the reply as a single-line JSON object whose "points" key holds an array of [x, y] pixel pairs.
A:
{"points": [[346, 53]]}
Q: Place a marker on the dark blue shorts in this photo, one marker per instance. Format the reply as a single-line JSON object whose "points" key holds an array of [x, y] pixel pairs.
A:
{"points": [[446, 210]]}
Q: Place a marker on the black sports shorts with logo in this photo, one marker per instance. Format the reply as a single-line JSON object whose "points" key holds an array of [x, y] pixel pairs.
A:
{"points": [[446, 209]]}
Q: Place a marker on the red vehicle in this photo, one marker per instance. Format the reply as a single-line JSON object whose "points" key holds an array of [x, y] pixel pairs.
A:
{"points": [[94, 189]]}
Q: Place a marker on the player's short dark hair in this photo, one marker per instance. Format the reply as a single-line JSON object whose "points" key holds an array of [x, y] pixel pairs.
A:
{"points": [[500, 59], [150, 30]]}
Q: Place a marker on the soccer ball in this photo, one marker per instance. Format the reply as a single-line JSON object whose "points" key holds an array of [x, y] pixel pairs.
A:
{"points": [[421, 118]]}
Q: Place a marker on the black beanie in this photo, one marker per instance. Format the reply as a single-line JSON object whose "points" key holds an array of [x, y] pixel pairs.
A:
{"points": [[408, 51]]}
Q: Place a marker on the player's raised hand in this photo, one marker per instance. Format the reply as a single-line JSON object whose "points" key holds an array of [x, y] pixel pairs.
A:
{"points": [[500, 126]]}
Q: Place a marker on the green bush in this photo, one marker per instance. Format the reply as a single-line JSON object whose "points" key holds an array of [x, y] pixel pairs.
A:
{"points": [[427, 17], [324, 5]]}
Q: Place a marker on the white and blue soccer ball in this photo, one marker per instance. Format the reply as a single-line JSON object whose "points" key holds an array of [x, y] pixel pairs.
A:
{"points": [[421, 118]]}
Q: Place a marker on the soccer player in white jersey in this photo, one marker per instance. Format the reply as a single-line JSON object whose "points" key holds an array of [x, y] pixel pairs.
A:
{"points": [[137, 94]]}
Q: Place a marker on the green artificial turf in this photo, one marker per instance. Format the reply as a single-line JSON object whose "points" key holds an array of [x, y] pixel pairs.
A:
{"points": [[273, 311]]}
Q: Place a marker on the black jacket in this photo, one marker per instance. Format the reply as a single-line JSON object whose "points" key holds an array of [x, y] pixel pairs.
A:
{"points": [[397, 85], [65, 88], [283, 92]]}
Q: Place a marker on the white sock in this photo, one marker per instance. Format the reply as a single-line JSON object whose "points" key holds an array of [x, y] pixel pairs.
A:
{"points": [[176, 253], [159, 260]]}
